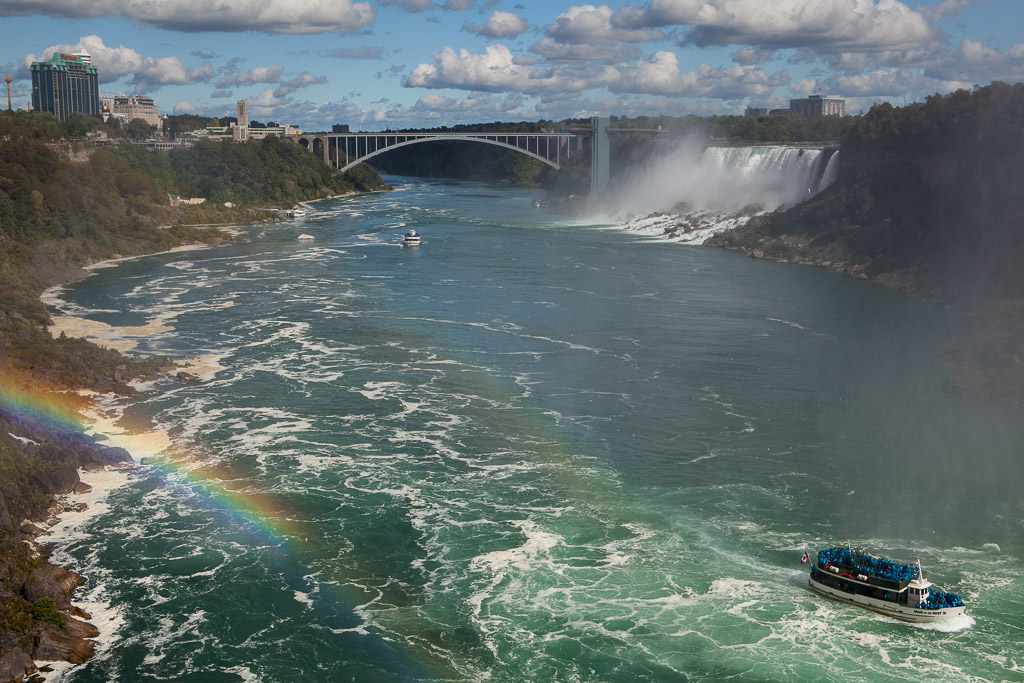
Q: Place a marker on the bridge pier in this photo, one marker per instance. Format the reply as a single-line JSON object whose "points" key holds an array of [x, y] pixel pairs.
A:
{"points": [[599, 168]]}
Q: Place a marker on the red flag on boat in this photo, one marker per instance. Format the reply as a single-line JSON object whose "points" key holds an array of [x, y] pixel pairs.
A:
{"points": [[803, 560]]}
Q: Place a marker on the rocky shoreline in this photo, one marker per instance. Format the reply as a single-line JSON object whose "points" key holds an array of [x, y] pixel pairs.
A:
{"points": [[39, 621], [58, 630]]}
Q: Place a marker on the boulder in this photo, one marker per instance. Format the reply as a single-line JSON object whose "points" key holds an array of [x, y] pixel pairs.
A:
{"points": [[53, 645], [31, 529], [14, 665], [61, 480], [82, 487], [51, 582], [79, 629]]}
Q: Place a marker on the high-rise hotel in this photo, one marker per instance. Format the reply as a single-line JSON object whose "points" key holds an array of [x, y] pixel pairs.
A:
{"points": [[66, 84]]}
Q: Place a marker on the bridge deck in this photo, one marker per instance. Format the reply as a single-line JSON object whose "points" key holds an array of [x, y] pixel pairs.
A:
{"points": [[350, 149]]}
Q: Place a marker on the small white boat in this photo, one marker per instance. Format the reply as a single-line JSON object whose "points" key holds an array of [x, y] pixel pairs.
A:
{"points": [[898, 590], [412, 238], [305, 236]]}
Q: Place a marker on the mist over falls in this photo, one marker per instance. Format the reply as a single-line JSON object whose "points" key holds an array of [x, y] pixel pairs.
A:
{"points": [[706, 190]]}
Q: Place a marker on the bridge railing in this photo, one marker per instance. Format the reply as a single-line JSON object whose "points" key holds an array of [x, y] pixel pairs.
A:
{"points": [[350, 149]]}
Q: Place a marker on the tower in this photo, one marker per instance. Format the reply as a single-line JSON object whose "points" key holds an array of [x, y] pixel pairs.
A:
{"points": [[8, 93], [240, 133]]}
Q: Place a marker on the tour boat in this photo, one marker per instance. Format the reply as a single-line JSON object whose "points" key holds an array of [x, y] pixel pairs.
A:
{"points": [[898, 590], [412, 238]]}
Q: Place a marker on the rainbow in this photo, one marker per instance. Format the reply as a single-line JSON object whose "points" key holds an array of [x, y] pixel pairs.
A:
{"points": [[220, 489]]}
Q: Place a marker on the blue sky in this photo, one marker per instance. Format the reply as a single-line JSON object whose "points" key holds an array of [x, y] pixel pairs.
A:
{"points": [[443, 62]]}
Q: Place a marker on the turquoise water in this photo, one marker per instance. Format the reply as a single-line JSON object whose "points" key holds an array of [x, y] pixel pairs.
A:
{"points": [[537, 450]]}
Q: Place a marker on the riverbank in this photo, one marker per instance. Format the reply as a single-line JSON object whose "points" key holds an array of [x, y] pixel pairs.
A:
{"points": [[52, 443]]}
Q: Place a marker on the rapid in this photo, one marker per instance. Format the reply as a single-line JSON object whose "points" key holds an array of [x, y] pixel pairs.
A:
{"points": [[532, 449]]}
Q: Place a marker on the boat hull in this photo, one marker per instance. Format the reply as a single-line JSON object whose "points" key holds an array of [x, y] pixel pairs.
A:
{"points": [[889, 609]]}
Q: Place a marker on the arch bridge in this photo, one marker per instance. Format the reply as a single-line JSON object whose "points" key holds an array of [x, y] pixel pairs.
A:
{"points": [[346, 150]]}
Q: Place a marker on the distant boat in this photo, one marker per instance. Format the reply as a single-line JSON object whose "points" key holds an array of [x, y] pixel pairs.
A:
{"points": [[892, 588], [304, 236], [412, 239]]}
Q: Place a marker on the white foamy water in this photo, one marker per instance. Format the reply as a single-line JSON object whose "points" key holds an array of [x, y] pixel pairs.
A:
{"points": [[537, 451], [691, 194]]}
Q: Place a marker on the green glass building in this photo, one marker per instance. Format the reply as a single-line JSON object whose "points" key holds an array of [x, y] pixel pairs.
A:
{"points": [[64, 85]]}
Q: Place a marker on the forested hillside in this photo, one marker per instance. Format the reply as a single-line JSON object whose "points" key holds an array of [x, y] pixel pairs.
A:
{"points": [[65, 203]]}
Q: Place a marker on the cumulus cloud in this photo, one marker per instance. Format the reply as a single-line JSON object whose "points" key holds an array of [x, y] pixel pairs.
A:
{"points": [[660, 75], [500, 24], [493, 71], [258, 74], [487, 105], [148, 73], [267, 16], [826, 25], [750, 54], [877, 84], [154, 73], [303, 80], [605, 52], [590, 24], [497, 71], [976, 62]]}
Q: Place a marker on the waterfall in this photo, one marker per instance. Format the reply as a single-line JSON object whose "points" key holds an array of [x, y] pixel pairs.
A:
{"points": [[774, 177], [830, 173], [693, 192]]}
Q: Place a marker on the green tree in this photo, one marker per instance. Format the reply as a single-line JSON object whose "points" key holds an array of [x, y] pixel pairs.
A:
{"points": [[138, 129]]}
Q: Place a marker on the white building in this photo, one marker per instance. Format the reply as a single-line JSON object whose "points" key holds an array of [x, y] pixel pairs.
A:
{"points": [[127, 107]]}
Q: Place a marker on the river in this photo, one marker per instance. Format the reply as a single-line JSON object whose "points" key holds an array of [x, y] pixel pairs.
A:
{"points": [[534, 449]]}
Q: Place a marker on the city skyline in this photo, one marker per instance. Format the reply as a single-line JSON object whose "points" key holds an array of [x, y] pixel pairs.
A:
{"points": [[424, 63]]}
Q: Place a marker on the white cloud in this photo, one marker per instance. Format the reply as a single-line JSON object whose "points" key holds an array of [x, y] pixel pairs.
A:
{"points": [[750, 54], [257, 74], [500, 24], [267, 16], [660, 75], [975, 62], [944, 9], [604, 52], [112, 63], [590, 24], [493, 71], [303, 80], [826, 25]]}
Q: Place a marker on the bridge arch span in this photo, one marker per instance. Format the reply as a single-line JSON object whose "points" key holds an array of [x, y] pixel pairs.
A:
{"points": [[466, 138]]}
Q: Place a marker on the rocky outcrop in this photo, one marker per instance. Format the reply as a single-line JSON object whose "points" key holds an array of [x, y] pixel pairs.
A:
{"points": [[15, 664], [61, 480], [52, 582], [51, 645]]}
